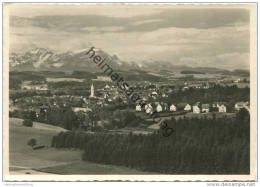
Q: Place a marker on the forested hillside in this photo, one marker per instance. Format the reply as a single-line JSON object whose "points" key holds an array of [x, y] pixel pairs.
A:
{"points": [[201, 146]]}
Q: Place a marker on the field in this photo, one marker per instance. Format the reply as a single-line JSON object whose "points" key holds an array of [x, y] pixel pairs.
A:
{"points": [[190, 115], [63, 79], [25, 160]]}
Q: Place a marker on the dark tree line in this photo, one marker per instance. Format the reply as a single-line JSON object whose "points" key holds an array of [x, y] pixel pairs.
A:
{"points": [[22, 94], [198, 146], [191, 72], [63, 117]]}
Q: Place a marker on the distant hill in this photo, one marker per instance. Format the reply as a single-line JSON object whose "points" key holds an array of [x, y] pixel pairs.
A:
{"points": [[240, 72], [191, 72]]}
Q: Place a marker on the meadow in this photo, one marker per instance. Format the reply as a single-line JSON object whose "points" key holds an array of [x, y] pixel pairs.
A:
{"points": [[24, 160]]}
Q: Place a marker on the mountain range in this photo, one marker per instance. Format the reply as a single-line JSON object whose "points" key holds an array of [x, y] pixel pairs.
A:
{"points": [[41, 59]]}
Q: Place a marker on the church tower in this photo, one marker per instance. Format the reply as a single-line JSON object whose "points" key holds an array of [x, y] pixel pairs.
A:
{"points": [[92, 91]]}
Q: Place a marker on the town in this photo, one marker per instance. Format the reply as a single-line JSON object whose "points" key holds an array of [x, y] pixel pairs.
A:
{"points": [[97, 104]]}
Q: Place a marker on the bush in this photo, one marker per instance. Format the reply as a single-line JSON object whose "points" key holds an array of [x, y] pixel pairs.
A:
{"points": [[32, 142], [27, 123]]}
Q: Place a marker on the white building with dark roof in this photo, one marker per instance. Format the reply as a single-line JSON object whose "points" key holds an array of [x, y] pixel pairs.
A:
{"points": [[187, 107], [159, 108], [222, 108], [148, 108], [173, 108], [240, 105], [195, 109], [138, 108]]}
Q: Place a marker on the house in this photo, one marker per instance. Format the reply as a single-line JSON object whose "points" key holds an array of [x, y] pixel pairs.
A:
{"points": [[80, 109], [42, 87], [196, 109], [148, 108], [187, 107], [240, 105], [216, 107], [222, 108], [138, 108], [159, 108], [205, 108], [173, 108], [185, 88], [104, 78], [37, 112], [107, 87], [206, 86], [106, 96], [237, 81]]}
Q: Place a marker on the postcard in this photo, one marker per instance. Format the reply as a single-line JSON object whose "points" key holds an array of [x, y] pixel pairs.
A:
{"points": [[130, 92]]}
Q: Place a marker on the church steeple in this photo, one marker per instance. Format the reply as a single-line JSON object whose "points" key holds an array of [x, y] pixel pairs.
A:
{"points": [[92, 94]]}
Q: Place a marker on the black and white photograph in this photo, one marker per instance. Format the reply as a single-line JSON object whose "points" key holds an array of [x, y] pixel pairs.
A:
{"points": [[129, 91]]}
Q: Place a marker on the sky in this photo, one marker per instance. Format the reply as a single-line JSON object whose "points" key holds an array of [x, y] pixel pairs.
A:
{"points": [[182, 35]]}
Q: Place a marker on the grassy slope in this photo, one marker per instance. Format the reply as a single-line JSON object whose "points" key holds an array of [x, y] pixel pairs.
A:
{"points": [[190, 115], [22, 155], [50, 160]]}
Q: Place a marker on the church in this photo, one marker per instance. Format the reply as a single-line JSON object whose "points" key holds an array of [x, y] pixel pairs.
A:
{"points": [[92, 92]]}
